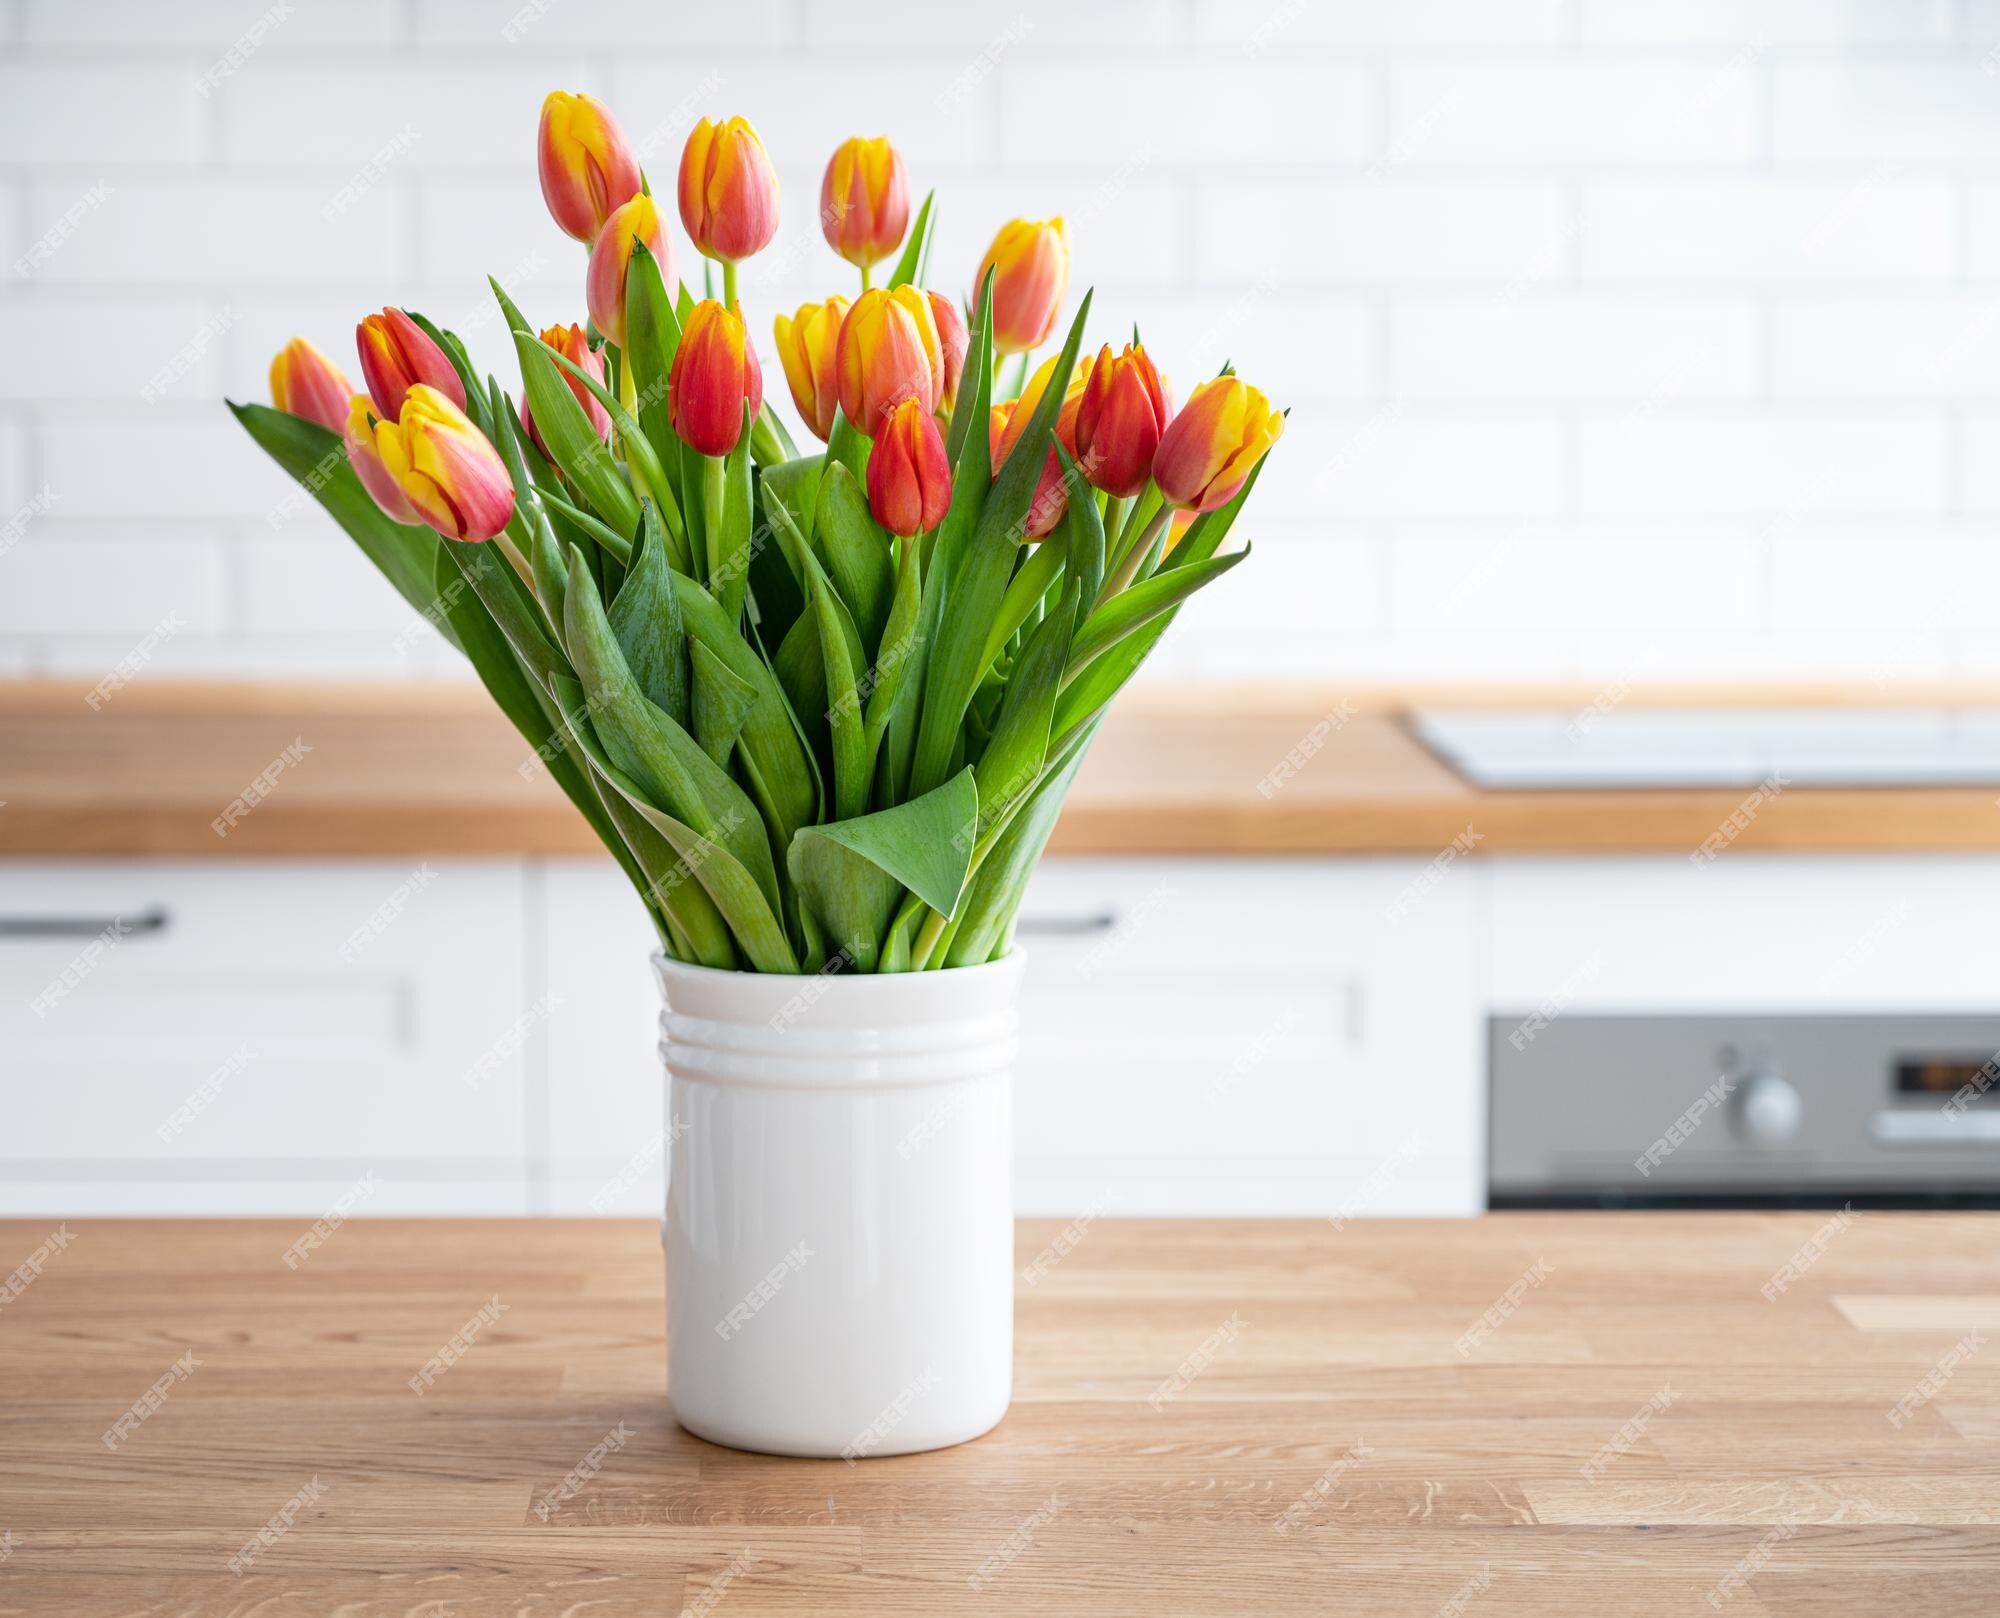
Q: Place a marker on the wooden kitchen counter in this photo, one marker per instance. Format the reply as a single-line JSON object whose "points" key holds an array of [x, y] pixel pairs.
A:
{"points": [[1262, 1417], [433, 768]]}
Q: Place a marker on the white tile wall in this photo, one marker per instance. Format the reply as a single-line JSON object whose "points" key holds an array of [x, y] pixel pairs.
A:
{"points": [[1624, 336]]}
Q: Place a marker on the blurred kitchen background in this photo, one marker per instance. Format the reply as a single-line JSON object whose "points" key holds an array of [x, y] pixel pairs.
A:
{"points": [[1631, 345]]}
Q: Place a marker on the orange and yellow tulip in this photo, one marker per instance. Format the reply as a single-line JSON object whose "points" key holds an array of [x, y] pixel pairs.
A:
{"points": [[1051, 488], [1125, 407], [909, 475], [728, 190], [1215, 443], [396, 355], [604, 282], [377, 479], [715, 373], [444, 468], [806, 345], [587, 170], [1030, 264], [864, 201], [570, 342], [304, 382], [953, 339], [888, 352]]}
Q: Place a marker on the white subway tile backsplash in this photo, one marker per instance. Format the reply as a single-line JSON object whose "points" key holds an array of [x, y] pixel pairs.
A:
{"points": [[1979, 463], [84, 115], [1862, 226], [249, 27], [61, 582], [1369, 24], [14, 491], [315, 584], [1776, 465], [1930, 345], [230, 233], [1549, 580], [1624, 338], [1767, 22], [1375, 229], [1887, 110], [64, 348], [1587, 110], [1396, 461], [1140, 111], [986, 34], [167, 463], [1563, 346], [531, 27], [396, 117], [1934, 579]]}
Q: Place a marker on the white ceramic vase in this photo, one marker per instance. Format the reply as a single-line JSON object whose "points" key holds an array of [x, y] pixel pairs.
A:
{"points": [[839, 1229]]}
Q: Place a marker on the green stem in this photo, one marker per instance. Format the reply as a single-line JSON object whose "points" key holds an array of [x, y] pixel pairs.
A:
{"points": [[713, 480], [1115, 513], [1151, 540], [927, 941], [867, 276], [729, 283]]}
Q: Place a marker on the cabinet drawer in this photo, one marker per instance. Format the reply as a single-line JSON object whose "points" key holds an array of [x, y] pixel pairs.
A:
{"points": [[353, 1012]]}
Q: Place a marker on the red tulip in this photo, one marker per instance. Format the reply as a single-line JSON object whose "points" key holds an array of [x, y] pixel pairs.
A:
{"points": [[570, 342], [909, 476], [1124, 409], [715, 372], [396, 355]]}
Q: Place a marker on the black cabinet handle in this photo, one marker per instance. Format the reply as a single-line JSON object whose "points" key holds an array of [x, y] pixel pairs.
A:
{"points": [[1066, 926], [153, 920]]}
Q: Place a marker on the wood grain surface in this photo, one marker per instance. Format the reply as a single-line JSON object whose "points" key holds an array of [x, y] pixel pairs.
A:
{"points": [[433, 768], [1521, 1415]]}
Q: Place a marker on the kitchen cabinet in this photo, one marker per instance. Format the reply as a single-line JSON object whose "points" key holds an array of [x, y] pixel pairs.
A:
{"points": [[238, 1035]]}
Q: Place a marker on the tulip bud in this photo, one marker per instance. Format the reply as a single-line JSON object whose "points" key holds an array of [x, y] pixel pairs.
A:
{"points": [[444, 467], [864, 201], [587, 170], [728, 191], [953, 339], [1030, 264], [888, 352], [604, 282], [304, 382], [377, 479], [715, 372], [396, 355], [806, 344], [909, 475], [570, 342], [1215, 443], [1051, 488], [1124, 409]]}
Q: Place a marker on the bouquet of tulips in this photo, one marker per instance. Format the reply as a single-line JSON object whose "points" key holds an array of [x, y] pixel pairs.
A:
{"points": [[823, 709]]}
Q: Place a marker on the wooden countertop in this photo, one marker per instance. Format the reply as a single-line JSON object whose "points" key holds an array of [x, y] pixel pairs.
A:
{"points": [[433, 768], [1640, 1432]]}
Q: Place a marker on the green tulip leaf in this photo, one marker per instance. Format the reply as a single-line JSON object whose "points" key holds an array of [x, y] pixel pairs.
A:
{"points": [[1142, 602], [913, 268], [573, 442], [646, 618], [856, 552], [722, 702], [851, 874]]}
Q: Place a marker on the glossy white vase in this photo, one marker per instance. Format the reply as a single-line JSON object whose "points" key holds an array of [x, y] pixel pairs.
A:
{"points": [[839, 1229]]}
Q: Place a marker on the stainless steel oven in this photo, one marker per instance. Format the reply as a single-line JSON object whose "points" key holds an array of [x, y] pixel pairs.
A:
{"points": [[1742, 1111]]}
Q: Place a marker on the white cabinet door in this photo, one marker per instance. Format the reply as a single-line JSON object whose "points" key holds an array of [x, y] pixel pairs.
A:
{"points": [[247, 1035], [603, 1147], [1248, 1036]]}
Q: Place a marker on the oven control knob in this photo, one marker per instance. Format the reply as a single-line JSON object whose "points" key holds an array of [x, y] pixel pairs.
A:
{"points": [[1768, 1109]]}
